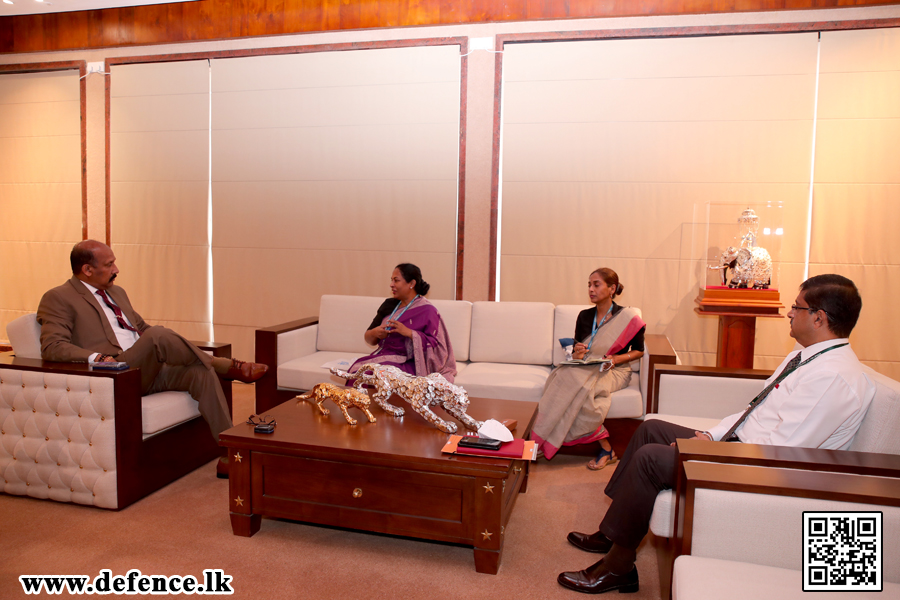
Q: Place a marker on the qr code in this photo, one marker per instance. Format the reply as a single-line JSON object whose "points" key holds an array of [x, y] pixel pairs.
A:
{"points": [[842, 551]]}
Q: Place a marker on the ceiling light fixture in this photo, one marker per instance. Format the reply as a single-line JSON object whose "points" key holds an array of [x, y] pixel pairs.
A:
{"points": [[7, 2]]}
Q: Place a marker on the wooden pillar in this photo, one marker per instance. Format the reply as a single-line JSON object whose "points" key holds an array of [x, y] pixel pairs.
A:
{"points": [[737, 339]]}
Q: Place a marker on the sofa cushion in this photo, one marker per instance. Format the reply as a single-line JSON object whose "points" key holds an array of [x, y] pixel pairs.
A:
{"points": [[699, 578], [343, 320], [503, 381], [662, 521], [164, 409], [25, 336], [695, 423], [512, 333], [627, 403], [564, 317], [305, 372], [457, 316], [720, 397], [297, 342]]}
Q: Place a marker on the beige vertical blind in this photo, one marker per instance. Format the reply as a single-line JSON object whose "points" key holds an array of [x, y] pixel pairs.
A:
{"points": [[40, 186], [159, 193], [611, 149], [328, 170], [857, 191]]}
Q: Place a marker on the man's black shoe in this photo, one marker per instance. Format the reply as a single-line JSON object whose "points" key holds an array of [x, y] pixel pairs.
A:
{"points": [[597, 579], [594, 542]]}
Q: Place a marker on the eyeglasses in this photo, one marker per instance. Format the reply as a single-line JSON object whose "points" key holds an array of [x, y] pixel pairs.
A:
{"points": [[811, 309], [266, 420]]}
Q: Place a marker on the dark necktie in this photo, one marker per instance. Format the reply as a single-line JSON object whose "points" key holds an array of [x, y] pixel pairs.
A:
{"points": [[788, 369], [121, 319]]}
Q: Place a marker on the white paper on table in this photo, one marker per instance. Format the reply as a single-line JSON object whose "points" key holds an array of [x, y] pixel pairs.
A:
{"points": [[341, 363], [496, 430]]}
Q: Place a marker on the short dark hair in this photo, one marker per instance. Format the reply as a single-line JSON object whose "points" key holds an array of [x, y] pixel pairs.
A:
{"points": [[411, 272], [82, 254], [838, 297]]}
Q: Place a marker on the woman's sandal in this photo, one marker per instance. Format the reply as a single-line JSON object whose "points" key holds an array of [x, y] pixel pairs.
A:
{"points": [[595, 465]]}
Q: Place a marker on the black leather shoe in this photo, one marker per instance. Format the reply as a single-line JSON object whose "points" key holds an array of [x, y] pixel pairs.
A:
{"points": [[594, 542], [597, 579]]}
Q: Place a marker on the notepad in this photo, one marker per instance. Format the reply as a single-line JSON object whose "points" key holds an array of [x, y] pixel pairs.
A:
{"points": [[586, 361]]}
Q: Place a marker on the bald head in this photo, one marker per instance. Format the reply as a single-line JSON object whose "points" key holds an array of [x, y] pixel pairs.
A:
{"points": [[94, 262]]}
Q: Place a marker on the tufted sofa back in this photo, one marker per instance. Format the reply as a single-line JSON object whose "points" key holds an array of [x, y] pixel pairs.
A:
{"points": [[58, 437]]}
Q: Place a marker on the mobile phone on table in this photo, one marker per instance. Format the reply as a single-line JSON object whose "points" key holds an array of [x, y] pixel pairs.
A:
{"points": [[109, 366], [479, 443]]}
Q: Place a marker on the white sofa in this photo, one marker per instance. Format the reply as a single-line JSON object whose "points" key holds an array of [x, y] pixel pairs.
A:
{"points": [[503, 349], [738, 507], [71, 434]]}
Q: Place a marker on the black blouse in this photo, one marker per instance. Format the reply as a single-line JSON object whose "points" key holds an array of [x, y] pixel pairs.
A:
{"points": [[386, 308], [585, 324]]}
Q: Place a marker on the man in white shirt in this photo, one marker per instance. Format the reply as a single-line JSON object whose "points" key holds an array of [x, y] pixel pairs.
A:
{"points": [[88, 318], [817, 400]]}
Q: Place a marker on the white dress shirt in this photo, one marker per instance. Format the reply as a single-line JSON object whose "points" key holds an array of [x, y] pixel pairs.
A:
{"points": [[125, 337], [820, 405]]}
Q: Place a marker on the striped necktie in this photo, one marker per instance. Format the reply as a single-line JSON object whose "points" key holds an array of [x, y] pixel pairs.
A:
{"points": [[119, 317], [788, 369]]}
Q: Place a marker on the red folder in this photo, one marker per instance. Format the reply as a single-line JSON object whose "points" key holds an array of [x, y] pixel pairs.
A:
{"points": [[517, 449]]}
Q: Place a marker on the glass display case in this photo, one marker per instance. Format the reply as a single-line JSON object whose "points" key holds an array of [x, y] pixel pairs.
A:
{"points": [[743, 244], [742, 266]]}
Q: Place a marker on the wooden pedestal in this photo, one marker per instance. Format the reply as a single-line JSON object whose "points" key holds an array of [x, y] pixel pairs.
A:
{"points": [[737, 310]]}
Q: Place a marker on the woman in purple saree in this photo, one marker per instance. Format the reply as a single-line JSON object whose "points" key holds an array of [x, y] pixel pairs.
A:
{"points": [[408, 330]]}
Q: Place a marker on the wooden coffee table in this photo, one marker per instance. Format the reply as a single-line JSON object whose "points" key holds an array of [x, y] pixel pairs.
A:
{"points": [[389, 476]]}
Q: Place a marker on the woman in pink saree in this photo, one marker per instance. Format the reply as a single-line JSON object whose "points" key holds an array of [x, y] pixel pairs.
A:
{"points": [[576, 397], [408, 330]]}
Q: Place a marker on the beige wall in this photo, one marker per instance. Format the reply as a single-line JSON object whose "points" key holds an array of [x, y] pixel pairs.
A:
{"points": [[614, 148], [328, 169], [159, 179], [857, 193], [478, 112], [40, 185]]}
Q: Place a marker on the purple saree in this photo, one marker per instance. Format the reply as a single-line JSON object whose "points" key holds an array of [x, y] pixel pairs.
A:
{"points": [[427, 351]]}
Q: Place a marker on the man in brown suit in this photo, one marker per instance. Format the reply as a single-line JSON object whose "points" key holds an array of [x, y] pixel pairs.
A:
{"points": [[88, 318]]}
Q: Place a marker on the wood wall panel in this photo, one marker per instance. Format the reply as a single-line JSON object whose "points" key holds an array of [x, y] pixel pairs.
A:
{"points": [[224, 19]]}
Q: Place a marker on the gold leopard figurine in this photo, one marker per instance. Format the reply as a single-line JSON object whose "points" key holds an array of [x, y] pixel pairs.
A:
{"points": [[344, 398]]}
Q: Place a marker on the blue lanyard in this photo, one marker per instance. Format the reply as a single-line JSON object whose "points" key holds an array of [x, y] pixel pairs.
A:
{"points": [[405, 308], [597, 327]]}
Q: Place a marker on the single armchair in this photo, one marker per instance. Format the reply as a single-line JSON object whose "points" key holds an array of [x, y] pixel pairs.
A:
{"points": [[72, 434], [699, 397]]}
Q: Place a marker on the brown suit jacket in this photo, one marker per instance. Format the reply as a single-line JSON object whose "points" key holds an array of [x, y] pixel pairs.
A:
{"points": [[74, 326]]}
